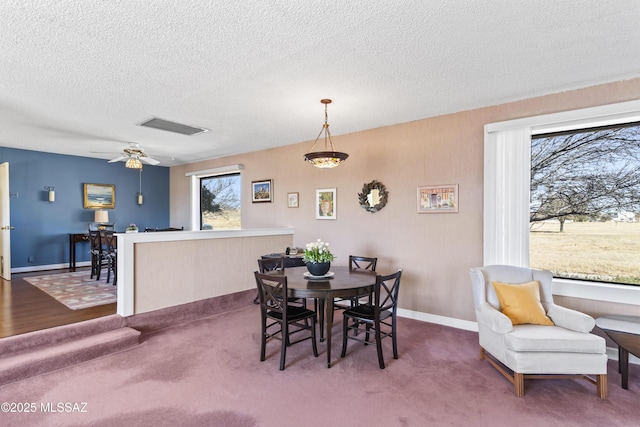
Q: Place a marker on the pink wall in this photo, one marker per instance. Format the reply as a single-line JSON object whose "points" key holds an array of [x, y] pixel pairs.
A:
{"points": [[435, 250]]}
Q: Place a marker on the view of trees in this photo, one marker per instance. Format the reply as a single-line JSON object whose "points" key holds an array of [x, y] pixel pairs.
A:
{"points": [[219, 197], [588, 176]]}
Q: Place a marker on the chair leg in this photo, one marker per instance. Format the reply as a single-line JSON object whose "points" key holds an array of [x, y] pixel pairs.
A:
{"points": [[345, 330], [601, 383], [284, 330], [313, 336], [518, 382], [379, 345], [263, 341], [393, 339]]}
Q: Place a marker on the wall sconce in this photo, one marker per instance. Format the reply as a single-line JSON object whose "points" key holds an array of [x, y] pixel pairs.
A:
{"points": [[140, 197], [51, 194]]}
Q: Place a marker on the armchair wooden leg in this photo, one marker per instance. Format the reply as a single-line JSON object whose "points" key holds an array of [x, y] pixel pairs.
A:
{"points": [[481, 353], [518, 382], [601, 383]]}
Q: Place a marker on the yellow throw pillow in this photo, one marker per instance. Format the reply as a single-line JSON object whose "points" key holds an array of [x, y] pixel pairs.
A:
{"points": [[521, 303]]}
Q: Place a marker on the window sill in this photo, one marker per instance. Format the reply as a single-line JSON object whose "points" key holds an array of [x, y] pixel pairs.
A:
{"points": [[610, 292]]}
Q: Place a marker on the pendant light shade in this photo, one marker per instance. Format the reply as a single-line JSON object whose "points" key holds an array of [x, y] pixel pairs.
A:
{"points": [[328, 158], [133, 163]]}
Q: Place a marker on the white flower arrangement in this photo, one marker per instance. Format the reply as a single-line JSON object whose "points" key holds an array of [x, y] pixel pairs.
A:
{"points": [[317, 252]]}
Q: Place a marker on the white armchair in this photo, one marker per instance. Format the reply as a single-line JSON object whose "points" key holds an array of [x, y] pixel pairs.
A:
{"points": [[565, 350]]}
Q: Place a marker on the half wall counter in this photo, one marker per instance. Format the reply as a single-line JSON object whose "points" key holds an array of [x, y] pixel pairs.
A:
{"points": [[165, 269]]}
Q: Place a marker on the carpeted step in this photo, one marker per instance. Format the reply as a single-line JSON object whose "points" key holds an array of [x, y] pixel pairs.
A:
{"points": [[33, 340], [50, 357]]}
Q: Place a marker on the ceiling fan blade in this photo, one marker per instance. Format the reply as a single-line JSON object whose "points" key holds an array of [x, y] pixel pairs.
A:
{"points": [[149, 160], [117, 159]]}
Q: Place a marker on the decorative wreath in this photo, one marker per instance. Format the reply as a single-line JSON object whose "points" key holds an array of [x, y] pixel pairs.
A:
{"points": [[366, 189]]}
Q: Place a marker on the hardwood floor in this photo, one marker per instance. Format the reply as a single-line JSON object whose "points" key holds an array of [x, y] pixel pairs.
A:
{"points": [[26, 308]]}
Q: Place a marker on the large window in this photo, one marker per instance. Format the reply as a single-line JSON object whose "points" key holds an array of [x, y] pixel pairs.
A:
{"points": [[220, 202], [584, 204], [507, 182]]}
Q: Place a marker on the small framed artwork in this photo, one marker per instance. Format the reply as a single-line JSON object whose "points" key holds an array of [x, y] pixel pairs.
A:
{"points": [[262, 191], [438, 198], [292, 200], [99, 196], [326, 203]]}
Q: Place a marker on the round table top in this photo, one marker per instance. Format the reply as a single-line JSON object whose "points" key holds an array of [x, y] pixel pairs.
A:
{"points": [[342, 282]]}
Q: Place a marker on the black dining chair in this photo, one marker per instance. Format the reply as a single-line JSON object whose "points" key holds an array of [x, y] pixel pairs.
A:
{"points": [[378, 318], [111, 254], [269, 263], [279, 319], [356, 263], [98, 253]]}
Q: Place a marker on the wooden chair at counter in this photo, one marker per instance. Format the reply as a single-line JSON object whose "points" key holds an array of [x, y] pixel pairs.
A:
{"points": [[98, 253], [111, 253], [278, 317]]}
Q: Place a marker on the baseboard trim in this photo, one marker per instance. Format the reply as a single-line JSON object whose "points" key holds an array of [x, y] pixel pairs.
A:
{"points": [[48, 267], [439, 320]]}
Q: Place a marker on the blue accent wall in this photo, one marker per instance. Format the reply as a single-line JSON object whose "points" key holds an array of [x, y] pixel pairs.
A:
{"points": [[41, 229]]}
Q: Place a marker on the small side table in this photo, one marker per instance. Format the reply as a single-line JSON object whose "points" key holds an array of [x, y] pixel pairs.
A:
{"points": [[625, 332], [73, 239]]}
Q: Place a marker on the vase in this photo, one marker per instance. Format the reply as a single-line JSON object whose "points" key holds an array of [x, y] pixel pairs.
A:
{"points": [[318, 268]]}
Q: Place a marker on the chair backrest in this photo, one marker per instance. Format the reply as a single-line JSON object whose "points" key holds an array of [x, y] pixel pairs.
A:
{"points": [[271, 264], [110, 241], [385, 292], [95, 242], [272, 290], [483, 291], [362, 263]]}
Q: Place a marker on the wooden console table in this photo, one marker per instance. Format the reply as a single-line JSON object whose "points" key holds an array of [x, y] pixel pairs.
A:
{"points": [[75, 238]]}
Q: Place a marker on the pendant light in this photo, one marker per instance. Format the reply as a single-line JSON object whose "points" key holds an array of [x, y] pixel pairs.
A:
{"points": [[325, 159]]}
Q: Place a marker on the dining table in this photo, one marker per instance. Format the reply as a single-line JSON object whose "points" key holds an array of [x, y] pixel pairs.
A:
{"points": [[339, 282]]}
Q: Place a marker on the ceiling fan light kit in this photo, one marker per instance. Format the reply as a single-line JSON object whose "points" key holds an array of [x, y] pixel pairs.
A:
{"points": [[134, 156], [328, 158]]}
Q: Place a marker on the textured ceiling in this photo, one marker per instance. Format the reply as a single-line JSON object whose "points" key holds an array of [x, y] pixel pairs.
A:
{"points": [[76, 77]]}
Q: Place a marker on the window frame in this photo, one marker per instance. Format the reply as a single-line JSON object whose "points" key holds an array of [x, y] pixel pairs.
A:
{"points": [[195, 216], [507, 176]]}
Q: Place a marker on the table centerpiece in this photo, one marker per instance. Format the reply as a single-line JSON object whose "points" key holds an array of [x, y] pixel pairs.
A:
{"points": [[318, 257]]}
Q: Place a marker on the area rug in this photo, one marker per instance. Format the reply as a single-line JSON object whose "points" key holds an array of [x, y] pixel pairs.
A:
{"points": [[76, 290]]}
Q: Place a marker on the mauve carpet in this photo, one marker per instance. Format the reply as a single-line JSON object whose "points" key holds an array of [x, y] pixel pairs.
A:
{"points": [[207, 373]]}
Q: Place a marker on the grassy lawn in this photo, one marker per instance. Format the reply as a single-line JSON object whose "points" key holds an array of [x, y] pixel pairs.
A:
{"points": [[224, 220], [606, 251]]}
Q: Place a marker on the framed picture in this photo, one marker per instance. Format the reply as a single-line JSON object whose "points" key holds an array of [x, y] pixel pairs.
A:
{"points": [[326, 203], [99, 196], [292, 200], [438, 198], [261, 191]]}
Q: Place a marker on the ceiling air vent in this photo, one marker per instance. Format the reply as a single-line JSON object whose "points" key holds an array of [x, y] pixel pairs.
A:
{"points": [[161, 124]]}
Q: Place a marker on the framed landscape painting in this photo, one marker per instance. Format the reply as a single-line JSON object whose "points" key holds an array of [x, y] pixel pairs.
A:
{"points": [[99, 196], [326, 202], [438, 198], [261, 191]]}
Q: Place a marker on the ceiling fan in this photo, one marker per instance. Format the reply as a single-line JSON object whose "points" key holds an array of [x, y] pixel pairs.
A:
{"points": [[134, 155]]}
